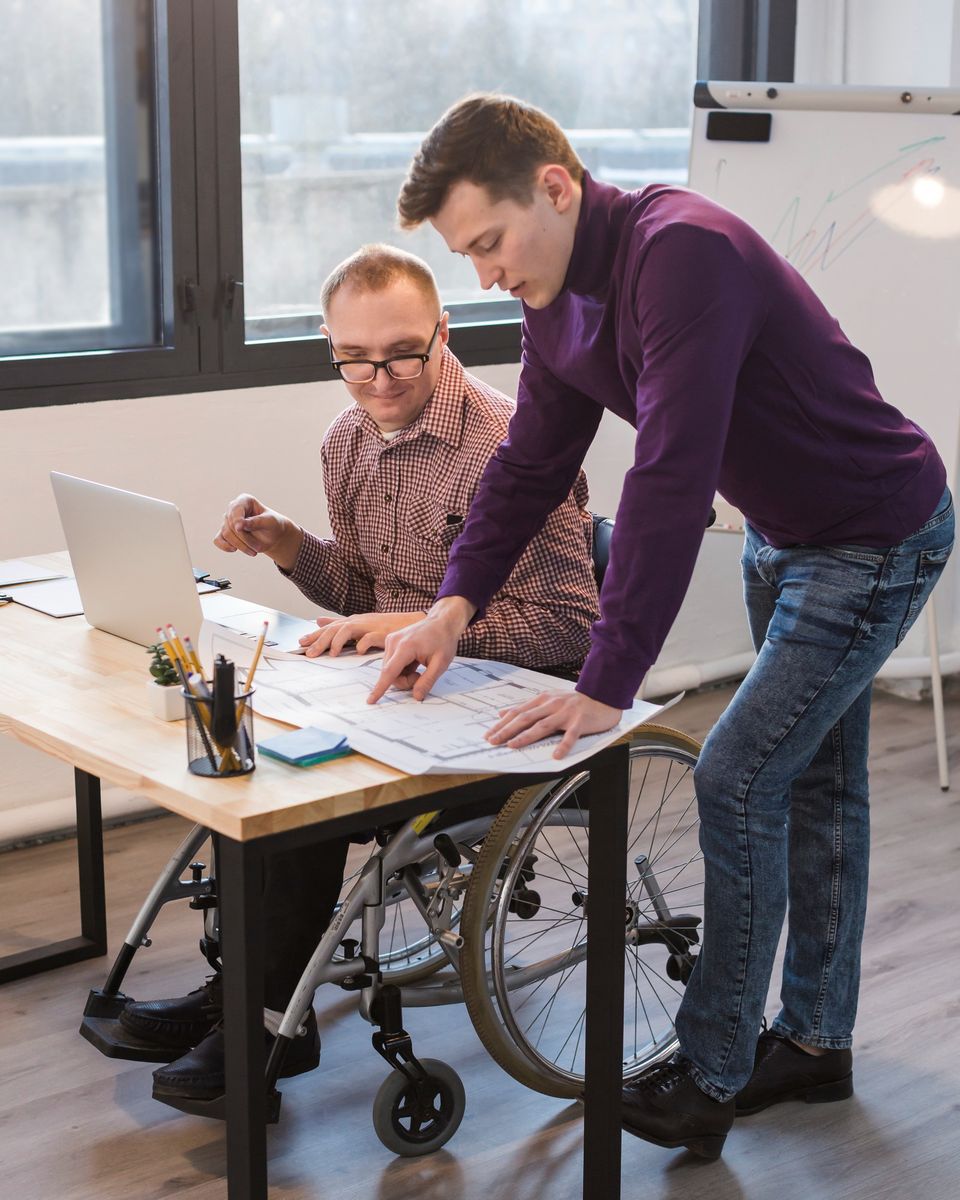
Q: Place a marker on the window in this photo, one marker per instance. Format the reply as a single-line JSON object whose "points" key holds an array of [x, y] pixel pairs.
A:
{"points": [[335, 99], [85, 223], [177, 176]]}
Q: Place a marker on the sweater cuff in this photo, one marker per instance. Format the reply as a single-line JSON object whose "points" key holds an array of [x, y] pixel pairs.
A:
{"points": [[611, 682], [458, 582]]}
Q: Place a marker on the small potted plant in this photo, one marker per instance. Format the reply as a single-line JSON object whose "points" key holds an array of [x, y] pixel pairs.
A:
{"points": [[166, 700]]}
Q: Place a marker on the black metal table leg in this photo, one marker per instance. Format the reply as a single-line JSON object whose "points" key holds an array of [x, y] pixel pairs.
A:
{"points": [[607, 885], [240, 875], [93, 914]]}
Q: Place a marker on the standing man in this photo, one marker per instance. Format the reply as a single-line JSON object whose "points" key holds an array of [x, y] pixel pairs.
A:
{"points": [[401, 465], [678, 317]]}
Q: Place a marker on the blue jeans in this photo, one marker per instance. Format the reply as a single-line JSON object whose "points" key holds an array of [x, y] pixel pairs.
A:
{"points": [[782, 793]]}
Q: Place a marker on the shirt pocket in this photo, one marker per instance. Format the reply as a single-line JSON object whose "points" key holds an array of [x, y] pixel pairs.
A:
{"points": [[432, 523]]}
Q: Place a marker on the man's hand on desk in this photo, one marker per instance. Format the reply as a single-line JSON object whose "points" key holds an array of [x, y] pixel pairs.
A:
{"points": [[431, 644], [252, 528], [549, 713], [368, 630]]}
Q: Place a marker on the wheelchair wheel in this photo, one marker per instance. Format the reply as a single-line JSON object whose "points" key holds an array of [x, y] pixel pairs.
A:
{"points": [[523, 964], [413, 1119]]}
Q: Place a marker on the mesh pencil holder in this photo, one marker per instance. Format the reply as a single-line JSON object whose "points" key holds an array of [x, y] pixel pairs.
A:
{"points": [[229, 754]]}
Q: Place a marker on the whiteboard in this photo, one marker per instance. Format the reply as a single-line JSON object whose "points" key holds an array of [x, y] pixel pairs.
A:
{"points": [[859, 188]]}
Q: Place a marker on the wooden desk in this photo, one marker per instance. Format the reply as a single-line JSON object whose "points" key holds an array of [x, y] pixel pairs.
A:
{"points": [[80, 695]]}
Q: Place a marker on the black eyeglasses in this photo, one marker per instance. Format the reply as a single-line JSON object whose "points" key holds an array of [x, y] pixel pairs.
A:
{"points": [[364, 370]]}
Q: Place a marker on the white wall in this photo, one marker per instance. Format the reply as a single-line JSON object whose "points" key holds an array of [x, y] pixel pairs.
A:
{"points": [[878, 42]]}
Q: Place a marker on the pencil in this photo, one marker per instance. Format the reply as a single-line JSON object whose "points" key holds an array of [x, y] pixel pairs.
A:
{"points": [[256, 655], [252, 669], [192, 654], [170, 649], [179, 645]]}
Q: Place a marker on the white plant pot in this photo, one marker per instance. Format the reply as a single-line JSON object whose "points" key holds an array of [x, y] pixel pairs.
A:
{"points": [[167, 703]]}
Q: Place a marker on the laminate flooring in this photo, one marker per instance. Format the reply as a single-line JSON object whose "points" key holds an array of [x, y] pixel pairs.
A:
{"points": [[77, 1126]]}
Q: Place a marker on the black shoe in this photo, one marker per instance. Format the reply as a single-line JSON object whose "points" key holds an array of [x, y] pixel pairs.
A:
{"points": [[782, 1071], [665, 1106], [176, 1024], [199, 1074]]}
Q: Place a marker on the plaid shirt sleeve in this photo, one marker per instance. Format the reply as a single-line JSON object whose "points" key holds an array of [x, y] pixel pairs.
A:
{"points": [[332, 572], [325, 573]]}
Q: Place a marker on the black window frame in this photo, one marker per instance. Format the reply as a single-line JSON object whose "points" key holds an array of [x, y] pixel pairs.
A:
{"points": [[48, 375], [201, 243]]}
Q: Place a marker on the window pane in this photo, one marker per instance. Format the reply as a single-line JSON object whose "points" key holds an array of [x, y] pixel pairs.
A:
{"points": [[79, 239], [335, 98]]}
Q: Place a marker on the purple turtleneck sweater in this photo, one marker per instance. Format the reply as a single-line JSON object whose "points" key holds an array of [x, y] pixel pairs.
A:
{"points": [[678, 317]]}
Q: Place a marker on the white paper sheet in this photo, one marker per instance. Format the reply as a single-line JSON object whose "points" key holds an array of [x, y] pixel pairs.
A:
{"points": [[55, 597], [16, 570], [441, 735]]}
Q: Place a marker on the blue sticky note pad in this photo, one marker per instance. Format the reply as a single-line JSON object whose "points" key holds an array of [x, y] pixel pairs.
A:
{"points": [[302, 747]]}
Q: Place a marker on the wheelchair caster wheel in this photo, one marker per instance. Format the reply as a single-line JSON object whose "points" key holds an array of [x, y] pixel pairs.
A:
{"points": [[413, 1119]]}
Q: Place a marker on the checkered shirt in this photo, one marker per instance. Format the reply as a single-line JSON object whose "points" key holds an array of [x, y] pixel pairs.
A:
{"points": [[397, 506]]}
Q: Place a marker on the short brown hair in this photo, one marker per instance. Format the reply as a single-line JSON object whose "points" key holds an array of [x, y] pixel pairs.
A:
{"points": [[373, 268], [494, 141]]}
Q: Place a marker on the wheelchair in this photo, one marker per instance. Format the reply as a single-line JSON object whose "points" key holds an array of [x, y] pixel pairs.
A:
{"points": [[489, 911], [485, 908]]}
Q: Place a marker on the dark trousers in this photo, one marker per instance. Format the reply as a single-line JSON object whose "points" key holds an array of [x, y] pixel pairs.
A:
{"points": [[300, 889]]}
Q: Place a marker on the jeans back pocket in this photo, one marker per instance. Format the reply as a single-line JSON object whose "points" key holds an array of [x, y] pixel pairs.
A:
{"points": [[930, 565]]}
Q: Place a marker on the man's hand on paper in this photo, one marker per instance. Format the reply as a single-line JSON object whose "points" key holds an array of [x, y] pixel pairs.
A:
{"points": [[430, 643], [368, 630], [549, 713], [252, 528]]}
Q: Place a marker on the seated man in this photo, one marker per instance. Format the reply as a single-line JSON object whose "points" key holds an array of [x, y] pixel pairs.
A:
{"points": [[400, 469]]}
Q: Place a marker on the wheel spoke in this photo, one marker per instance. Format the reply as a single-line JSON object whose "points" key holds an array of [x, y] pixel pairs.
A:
{"points": [[563, 865], [655, 815], [548, 1004], [541, 1024], [638, 995]]}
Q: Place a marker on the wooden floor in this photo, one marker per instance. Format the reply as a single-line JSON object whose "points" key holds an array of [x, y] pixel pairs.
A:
{"points": [[77, 1126]]}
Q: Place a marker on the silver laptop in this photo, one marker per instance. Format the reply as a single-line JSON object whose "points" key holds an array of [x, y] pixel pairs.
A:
{"points": [[133, 572]]}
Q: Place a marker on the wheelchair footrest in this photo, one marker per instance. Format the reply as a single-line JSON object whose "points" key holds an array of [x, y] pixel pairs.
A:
{"points": [[111, 1039], [217, 1107]]}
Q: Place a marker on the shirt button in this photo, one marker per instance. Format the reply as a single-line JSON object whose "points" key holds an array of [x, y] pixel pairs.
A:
{"points": [[384, 547], [387, 497]]}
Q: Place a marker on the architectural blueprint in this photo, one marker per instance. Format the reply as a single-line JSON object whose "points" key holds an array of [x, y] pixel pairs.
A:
{"points": [[440, 735]]}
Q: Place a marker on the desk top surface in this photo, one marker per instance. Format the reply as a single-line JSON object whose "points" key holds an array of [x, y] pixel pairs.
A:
{"points": [[81, 695]]}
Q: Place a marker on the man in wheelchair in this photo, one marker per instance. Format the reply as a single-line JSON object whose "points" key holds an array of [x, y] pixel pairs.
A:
{"points": [[400, 468]]}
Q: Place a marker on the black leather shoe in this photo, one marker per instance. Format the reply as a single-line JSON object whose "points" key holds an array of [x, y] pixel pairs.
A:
{"points": [[199, 1074], [177, 1024], [782, 1071], [665, 1106]]}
